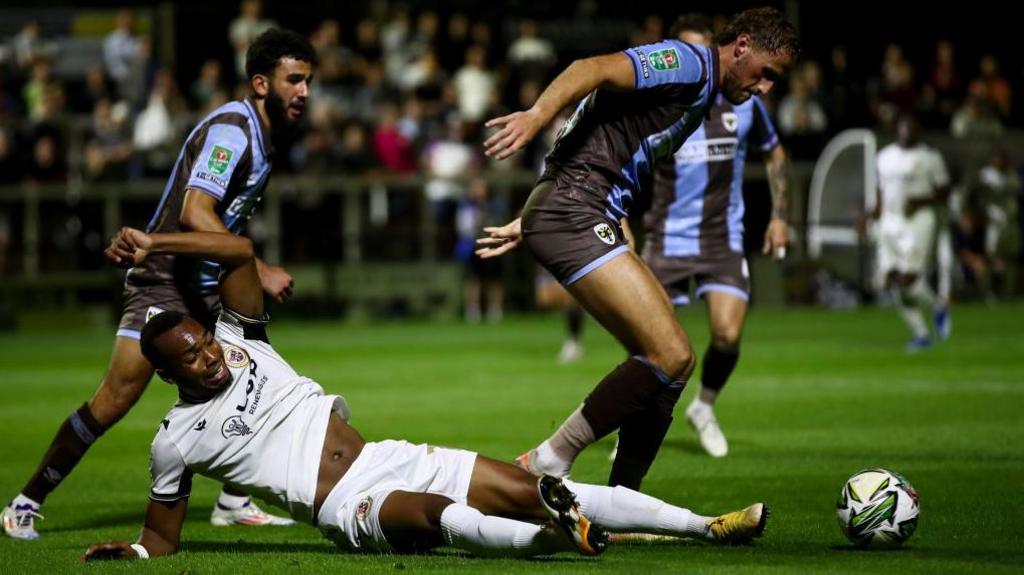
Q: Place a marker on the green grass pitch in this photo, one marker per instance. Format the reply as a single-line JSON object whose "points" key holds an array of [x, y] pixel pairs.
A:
{"points": [[817, 396]]}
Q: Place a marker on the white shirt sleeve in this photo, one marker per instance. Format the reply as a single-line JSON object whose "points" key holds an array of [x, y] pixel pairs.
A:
{"points": [[939, 173], [171, 478]]}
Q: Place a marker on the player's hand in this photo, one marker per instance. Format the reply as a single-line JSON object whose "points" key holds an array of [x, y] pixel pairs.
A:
{"points": [[276, 282], [514, 132], [129, 247], [776, 239], [500, 240], [109, 550]]}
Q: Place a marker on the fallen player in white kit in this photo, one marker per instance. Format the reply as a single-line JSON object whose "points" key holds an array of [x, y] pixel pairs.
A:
{"points": [[246, 417]]}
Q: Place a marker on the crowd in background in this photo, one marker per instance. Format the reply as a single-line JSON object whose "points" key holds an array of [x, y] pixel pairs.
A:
{"points": [[409, 93]]}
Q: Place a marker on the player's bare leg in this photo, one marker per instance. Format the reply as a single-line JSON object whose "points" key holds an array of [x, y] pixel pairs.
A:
{"points": [[125, 380], [726, 315], [625, 297]]}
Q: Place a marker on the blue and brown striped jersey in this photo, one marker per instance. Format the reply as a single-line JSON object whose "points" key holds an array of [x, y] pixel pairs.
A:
{"points": [[611, 143], [697, 209], [227, 155]]}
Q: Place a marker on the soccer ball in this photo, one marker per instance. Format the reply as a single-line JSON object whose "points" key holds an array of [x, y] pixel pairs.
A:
{"points": [[878, 508]]}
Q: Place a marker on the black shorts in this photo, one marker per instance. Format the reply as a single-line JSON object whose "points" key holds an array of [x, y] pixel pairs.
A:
{"points": [[568, 232], [728, 274], [143, 302]]}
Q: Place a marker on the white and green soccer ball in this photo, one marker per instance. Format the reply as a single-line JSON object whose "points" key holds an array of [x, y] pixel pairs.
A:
{"points": [[878, 508]]}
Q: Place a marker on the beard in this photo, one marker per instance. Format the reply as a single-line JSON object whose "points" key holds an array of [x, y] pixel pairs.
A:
{"points": [[277, 112]]}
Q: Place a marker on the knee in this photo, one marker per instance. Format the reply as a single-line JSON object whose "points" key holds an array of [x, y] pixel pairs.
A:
{"points": [[727, 338], [675, 358]]}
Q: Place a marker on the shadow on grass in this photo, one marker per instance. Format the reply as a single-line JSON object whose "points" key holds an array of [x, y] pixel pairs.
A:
{"points": [[329, 548]]}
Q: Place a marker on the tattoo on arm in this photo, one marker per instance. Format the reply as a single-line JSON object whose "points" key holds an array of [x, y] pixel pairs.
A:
{"points": [[778, 181]]}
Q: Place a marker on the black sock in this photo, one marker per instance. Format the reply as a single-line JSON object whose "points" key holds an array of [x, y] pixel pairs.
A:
{"points": [[574, 317], [717, 367], [73, 439], [628, 389], [640, 439]]}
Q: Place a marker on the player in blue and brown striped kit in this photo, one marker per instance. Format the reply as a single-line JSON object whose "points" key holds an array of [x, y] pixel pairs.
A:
{"points": [[216, 183], [694, 229], [636, 108]]}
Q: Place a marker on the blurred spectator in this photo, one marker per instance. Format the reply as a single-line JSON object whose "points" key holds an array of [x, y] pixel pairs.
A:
{"points": [[108, 147], [244, 29], [651, 30], [210, 80], [121, 48], [135, 87], [10, 164], [368, 43], [424, 77], [531, 56], [46, 160], [801, 118], [844, 99], [452, 51], [394, 151], [367, 97], [28, 45], [428, 24], [483, 277], [354, 156], [156, 127], [977, 117], [447, 162], [996, 88], [397, 49], [944, 90], [94, 88], [317, 152], [474, 84], [39, 82]]}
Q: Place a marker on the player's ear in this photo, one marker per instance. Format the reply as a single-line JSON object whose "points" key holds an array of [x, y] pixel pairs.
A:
{"points": [[260, 85], [741, 45]]}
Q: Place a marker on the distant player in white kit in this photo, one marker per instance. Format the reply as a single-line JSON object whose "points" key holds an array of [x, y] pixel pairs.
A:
{"points": [[245, 416], [912, 182]]}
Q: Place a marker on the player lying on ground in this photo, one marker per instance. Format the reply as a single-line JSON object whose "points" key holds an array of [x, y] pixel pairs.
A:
{"points": [[245, 416]]}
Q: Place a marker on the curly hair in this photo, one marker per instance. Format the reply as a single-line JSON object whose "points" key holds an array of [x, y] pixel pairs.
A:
{"points": [[274, 44]]}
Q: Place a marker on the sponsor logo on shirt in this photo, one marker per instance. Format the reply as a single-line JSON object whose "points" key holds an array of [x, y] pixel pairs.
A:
{"points": [[219, 159], [664, 60], [643, 64], [234, 427], [605, 233], [701, 151], [212, 179]]}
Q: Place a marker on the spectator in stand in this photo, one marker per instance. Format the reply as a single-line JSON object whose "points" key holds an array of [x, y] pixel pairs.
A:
{"points": [[977, 118], [944, 90], [452, 51], [39, 82], [995, 86], [210, 80], [394, 151], [474, 85], [999, 193], [530, 56], [802, 119], [245, 28], [354, 156], [107, 147], [156, 135], [483, 277], [121, 49]]}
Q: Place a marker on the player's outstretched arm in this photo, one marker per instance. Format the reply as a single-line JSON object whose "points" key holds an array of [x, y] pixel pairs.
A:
{"points": [[199, 213], [582, 77], [240, 285], [160, 535]]}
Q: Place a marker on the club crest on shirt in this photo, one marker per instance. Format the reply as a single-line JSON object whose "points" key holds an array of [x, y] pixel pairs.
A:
{"points": [[152, 311], [235, 356], [234, 427], [730, 121], [605, 233], [364, 508]]}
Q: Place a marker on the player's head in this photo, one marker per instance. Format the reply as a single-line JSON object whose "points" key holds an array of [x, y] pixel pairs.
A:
{"points": [[279, 65], [907, 130], [763, 45], [186, 354], [693, 28]]}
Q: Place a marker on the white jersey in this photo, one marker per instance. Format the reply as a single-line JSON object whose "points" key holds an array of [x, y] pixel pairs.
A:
{"points": [[908, 173], [264, 432]]}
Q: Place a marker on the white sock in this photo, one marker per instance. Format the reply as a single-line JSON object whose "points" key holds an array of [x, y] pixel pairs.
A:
{"points": [[699, 403], [911, 315], [549, 461], [924, 296], [228, 501], [622, 509], [466, 528], [22, 500]]}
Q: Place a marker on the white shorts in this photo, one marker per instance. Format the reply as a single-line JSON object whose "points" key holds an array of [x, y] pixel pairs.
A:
{"points": [[349, 515], [905, 244]]}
